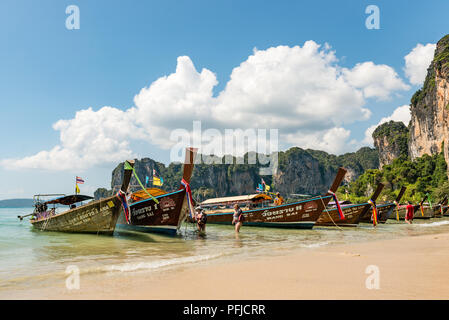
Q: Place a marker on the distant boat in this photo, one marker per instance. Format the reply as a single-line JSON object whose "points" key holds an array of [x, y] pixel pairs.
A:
{"points": [[384, 211], [299, 214], [98, 217], [352, 213], [426, 212], [145, 215]]}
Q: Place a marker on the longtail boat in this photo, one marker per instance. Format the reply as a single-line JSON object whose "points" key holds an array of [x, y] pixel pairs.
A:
{"points": [[154, 210], [98, 217], [419, 212], [384, 211], [438, 209], [445, 207], [424, 211], [301, 214], [352, 213]]}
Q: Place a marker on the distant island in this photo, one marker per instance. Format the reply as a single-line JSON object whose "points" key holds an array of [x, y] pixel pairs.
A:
{"points": [[16, 203]]}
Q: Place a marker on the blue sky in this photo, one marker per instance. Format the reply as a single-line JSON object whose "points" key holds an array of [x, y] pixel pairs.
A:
{"points": [[48, 73]]}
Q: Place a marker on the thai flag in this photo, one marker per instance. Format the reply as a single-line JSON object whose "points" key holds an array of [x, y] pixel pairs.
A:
{"points": [[79, 180]]}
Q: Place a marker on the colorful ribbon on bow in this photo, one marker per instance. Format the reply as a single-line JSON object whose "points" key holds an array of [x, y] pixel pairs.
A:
{"points": [[122, 197], [422, 210], [189, 197], [373, 204], [128, 167], [340, 212], [397, 210]]}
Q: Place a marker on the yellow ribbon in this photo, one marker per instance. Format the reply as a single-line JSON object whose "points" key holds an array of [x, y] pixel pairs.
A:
{"points": [[397, 210]]}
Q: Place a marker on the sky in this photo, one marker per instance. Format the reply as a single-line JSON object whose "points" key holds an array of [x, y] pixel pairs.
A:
{"points": [[79, 101]]}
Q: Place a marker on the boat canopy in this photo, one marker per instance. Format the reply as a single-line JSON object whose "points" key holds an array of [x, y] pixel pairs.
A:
{"points": [[332, 203], [68, 200], [142, 195], [252, 198]]}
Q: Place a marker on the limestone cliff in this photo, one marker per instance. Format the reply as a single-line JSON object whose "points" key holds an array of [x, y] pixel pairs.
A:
{"points": [[391, 141], [429, 126], [299, 172]]}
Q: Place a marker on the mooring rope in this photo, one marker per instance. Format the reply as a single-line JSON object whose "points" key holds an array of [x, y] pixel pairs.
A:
{"points": [[327, 211]]}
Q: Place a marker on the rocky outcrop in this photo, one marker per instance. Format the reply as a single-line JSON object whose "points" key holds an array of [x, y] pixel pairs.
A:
{"points": [[299, 172], [391, 141], [429, 126]]}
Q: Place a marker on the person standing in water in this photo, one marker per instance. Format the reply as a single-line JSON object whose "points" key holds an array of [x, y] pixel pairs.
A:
{"points": [[201, 219], [409, 214], [238, 218]]}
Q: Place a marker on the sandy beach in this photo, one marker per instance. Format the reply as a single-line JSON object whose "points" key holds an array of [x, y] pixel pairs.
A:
{"points": [[412, 267]]}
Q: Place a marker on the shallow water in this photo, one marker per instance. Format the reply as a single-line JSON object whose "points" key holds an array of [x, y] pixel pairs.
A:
{"points": [[29, 257]]}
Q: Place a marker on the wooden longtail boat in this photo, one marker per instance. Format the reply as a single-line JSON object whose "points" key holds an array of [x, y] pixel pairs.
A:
{"points": [[301, 214], [146, 215], [98, 217], [403, 212], [446, 211], [384, 211], [438, 209], [445, 207], [352, 213], [426, 213]]}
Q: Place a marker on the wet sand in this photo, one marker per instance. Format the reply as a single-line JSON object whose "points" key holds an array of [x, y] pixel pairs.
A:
{"points": [[412, 267]]}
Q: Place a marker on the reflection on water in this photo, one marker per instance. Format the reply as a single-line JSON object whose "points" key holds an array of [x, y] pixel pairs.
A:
{"points": [[28, 256]]}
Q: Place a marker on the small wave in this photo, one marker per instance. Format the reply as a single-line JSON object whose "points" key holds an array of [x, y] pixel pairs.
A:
{"points": [[432, 224], [315, 245], [159, 264]]}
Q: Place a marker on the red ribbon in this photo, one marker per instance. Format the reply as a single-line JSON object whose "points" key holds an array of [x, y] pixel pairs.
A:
{"points": [[189, 196], [340, 212]]}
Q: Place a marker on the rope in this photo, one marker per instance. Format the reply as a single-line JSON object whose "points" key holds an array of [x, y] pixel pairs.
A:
{"points": [[327, 211]]}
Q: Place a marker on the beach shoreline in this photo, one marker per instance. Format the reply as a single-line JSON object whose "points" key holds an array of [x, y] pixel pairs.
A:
{"points": [[412, 267]]}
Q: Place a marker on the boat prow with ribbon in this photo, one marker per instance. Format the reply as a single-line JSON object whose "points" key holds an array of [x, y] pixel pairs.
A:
{"points": [[300, 215], [97, 217], [154, 210], [347, 215], [381, 212]]}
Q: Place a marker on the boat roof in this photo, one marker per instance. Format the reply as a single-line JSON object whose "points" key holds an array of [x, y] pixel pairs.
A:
{"points": [[333, 203], [142, 195], [244, 198], [68, 200]]}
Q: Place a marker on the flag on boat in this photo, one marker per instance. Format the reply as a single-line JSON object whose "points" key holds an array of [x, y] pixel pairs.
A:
{"points": [[79, 180], [156, 180], [259, 188], [267, 188], [77, 189]]}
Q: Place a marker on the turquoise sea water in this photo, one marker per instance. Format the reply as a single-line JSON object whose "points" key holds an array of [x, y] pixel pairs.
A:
{"points": [[29, 257]]}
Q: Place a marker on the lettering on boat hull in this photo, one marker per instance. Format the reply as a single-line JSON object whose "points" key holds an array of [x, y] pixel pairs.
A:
{"points": [[96, 217]]}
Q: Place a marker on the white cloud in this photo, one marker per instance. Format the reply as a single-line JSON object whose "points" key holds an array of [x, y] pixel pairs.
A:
{"points": [[401, 113], [417, 62], [302, 91], [376, 81], [90, 138]]}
